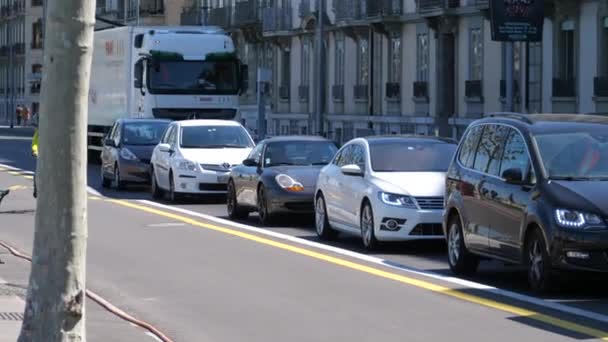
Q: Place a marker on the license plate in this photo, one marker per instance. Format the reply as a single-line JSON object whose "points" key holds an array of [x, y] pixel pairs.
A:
{"points": [[223, 178]]}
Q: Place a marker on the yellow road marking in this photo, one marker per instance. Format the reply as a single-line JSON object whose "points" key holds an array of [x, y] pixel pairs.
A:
{"points": [[14, 173], [512, 309], [28, 177], [18, 187]]}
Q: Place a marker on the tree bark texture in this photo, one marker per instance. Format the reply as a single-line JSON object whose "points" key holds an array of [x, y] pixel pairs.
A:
{"points": [[55, 305]]}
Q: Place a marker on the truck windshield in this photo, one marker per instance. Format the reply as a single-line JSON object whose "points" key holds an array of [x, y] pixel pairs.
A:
{"points": [[194, 77]]}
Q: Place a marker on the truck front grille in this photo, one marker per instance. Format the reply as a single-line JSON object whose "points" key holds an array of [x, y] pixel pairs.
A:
{"points": [[193, 113]]}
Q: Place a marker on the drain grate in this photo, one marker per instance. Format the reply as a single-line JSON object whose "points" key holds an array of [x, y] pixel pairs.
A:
{"points": [[11, 316]]}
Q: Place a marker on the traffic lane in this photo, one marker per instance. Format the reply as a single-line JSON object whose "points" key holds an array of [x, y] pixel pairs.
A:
{"points": [[270, 292], [17, 216], [118, 288], [16, 151], [580, 290], [585, 291]]}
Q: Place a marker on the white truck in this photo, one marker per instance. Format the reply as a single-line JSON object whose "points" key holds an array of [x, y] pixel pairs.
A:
{"points": [[162, 72]]}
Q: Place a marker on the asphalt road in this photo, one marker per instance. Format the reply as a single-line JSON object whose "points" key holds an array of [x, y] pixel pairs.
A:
{"points": [[200, 279]]}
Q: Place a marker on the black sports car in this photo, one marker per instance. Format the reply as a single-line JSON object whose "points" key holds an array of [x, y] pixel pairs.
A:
{"points": [[279, 176]]}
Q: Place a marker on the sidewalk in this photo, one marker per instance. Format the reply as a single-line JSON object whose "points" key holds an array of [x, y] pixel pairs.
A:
{"points": [[17, 210]]}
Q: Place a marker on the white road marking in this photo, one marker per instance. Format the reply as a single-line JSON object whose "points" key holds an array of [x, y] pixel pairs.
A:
{"points": [[163, 225], [391, 264], [90, 190]]}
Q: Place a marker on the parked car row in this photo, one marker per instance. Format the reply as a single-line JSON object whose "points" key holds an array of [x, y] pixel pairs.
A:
{"points": [[525, 189]]}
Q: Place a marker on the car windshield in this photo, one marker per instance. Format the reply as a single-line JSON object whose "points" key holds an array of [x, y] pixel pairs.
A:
{"points": [[148, 133], [215, 137], [194, 77], [300, 153], [403, 156], [576, 155]]}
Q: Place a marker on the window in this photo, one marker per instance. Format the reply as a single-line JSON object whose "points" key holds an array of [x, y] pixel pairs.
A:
{"points": [[339, 62], [567, 63], [286, 68], [305, 66], [422, 57], [515, 155], [344, 157], [469, 146], [394, 61], [363, 61], [37, 37], [489, 152], [476, 55], [256, 153], [604, 47], [143, 134], [358, 156]]}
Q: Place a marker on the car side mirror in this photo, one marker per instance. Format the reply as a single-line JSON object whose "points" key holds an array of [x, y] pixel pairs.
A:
{"points": [[165, 148], [250, 162], [513, 176], [352, 170], [138, 76], [109, 143]]}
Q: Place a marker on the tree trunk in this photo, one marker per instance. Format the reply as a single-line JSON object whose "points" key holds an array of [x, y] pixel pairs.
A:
{"points": [[55, 305]]}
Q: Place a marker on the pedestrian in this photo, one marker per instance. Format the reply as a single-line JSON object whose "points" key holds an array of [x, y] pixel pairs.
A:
{"points": [[35, 154], [18, 111]]}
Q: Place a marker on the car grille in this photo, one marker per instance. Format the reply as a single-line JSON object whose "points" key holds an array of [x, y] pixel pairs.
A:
{"points": [[217, 168], [145, 161], [430, 203], [427, 229], [300, 206], [212, 187]]}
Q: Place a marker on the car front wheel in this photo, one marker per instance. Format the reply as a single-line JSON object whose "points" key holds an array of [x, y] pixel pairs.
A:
{"points": [[157, 192], [324, 230], [540, 274], [461, 261], [235, 211], [368, 235]]}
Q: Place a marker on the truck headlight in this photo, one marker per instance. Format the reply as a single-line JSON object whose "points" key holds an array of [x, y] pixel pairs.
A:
{"points": [[397, 200], [186, 165], [126, 154], [288, 183], [577, 220]]}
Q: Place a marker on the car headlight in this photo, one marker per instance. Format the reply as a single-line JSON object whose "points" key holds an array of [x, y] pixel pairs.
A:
{"points": [[577, 220], [397, 200], [186, 165], [288, 183], [126, 154]]}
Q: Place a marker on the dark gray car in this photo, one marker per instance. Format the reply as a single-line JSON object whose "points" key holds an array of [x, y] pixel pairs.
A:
{"points": [[127, 149], [279, 176]]}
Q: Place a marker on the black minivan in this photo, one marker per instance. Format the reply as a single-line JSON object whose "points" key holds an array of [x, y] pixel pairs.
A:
{"points": [[530, 190]]}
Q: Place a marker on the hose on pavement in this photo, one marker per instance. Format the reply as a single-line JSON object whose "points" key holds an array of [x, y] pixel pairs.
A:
{"points": [[102, 302]]}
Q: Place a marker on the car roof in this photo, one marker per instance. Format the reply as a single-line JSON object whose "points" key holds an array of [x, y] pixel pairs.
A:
{"points": [[135, 120], [409, 139], [547, 123], [288, 138], [205, 122]]}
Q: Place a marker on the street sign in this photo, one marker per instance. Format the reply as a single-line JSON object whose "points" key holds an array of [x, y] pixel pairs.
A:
{"points": [[517, 20]]}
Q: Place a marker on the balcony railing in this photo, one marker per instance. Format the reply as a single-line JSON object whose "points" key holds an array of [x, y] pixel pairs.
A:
{"points": [[600, 86], [337, 92], [347, 10], [35, 88], [421, 90], [393, 90], [247, 13], [384, 8], [277, 19], [564, 87], [19, 48], [18, 7], [360, 91], [220, 16], [433, 5], [473, 89]]}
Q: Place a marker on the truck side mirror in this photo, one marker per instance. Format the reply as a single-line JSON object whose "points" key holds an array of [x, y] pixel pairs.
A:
{"points": [[244, 78], [138, 71]]}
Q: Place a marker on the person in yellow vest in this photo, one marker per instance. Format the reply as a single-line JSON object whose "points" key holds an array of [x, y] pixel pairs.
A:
{"points": [[35, 154]]}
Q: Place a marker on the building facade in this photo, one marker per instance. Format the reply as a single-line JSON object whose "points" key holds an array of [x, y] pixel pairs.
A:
{"points": [[412, 66]]}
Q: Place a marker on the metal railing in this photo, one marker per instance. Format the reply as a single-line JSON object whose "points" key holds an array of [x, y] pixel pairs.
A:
{"points": [[433, 5], [383, 8], [277, 19], [347, 10]]}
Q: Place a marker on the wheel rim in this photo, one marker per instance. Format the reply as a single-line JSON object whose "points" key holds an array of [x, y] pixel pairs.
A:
{"points": [[320, 216], [367, 225], [454, 244], [535, 255], [154, 185], [230, 201], [117, 176]]}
